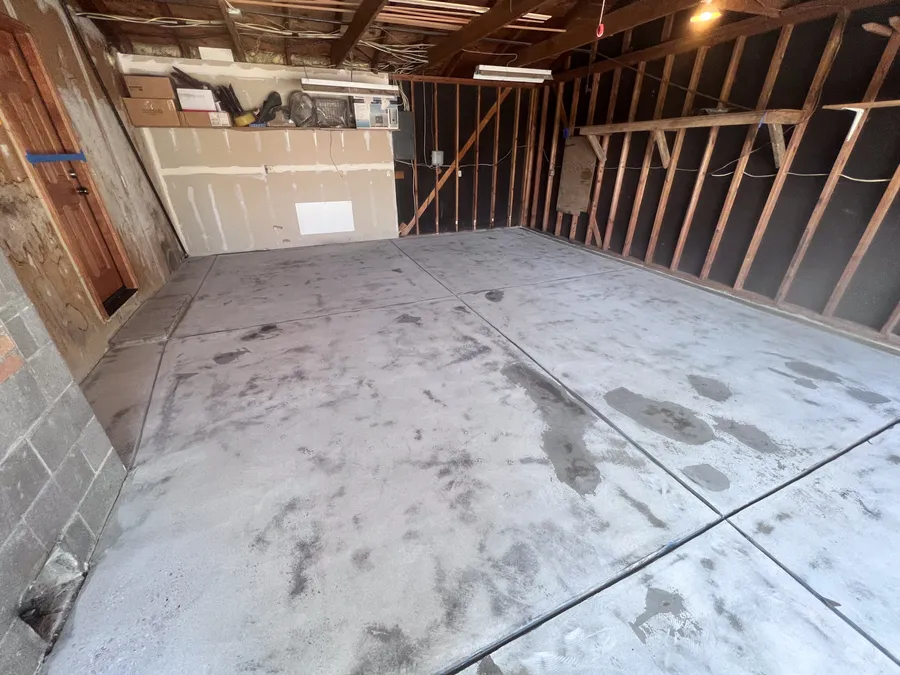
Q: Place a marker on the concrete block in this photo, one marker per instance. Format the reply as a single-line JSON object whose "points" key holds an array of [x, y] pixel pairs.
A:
{"points": [[22, 476], [21, 403], [79, 539], [21, 558], [10, 365], [61, 426], [103, 492], [23, 338], [6, 343], [50, 371], [21, 650], [94, 444], [49, 513], [74, 476]]}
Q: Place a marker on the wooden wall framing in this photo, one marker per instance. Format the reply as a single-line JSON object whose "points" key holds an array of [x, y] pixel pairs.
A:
{"points": [[618, 204]]}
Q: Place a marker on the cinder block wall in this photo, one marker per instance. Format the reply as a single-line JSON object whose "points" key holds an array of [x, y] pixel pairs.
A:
{"points": [[59, 475]]}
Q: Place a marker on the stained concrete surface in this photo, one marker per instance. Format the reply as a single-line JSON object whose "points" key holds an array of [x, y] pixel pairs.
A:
{"points": [[392, 486], [119, 389], [188, 277], [154, 321], [252, 289], [835, 527], [717, 605]]}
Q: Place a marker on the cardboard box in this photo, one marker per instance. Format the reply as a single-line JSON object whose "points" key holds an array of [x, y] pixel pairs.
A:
{"points": [[152, 112], [205, 119], [149, 86], [196, 100]]}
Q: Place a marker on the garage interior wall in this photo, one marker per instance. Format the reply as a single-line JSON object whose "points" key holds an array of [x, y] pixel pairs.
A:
{"points": [[745, 226], [28, 235]]}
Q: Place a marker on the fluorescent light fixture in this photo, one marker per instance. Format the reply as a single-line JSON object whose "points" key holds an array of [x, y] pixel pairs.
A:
{"points": [[355, 86], [506, 74], [706, 12]]}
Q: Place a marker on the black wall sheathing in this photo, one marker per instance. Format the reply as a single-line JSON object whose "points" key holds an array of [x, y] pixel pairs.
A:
{"points": [[875, 289]]}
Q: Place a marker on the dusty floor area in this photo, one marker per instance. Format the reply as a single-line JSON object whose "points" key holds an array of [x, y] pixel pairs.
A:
{"points": [[397, 458]]}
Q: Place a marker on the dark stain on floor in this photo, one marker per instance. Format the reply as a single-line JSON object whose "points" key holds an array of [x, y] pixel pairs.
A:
{"points": [[866, 396], [749, 435], [656, 603], [668, 419], [387, 650], [261, 333], [707, 477], [710, 388], [305, 554], [800, 381], [494, 296], [229, 357], [408, 318], [487, 667], [814, 372], [643, 509], [565, 424]]}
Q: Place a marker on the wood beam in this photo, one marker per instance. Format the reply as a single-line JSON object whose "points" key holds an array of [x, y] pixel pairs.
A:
{"points": [[878, 77], [738, 176], [751, 117], [362, 18], [515, 156], [529, 158], [813, 10], [554, 146], [865, 242], [749, 7], [829, 54], [405, 228], [539, 154], [672, 167], [584, 30], [891, 324], [494, 19], [736, 53], [239, 53], [496, 162]]}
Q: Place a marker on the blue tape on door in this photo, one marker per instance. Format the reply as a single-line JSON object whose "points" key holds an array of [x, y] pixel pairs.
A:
{"points": [[63, 157]]}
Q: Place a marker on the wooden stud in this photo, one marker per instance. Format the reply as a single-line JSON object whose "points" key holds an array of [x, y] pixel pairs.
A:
{"points": [[437, 169], [829, 54], [592, 103], [672, 167], [623, 159], [890, 326], [865, 242], [362, 18], [239, 52], [597, 148], [651, 137], [405, 228], [662, 145], [736, 53], [456, 155], [878, 77], [529, 159], [515, 154], [878, 29], [496, 162], [569, 131], [776, 134], [477, 161], [737, 177], [539, 157], [415, 163], [554, 144]]}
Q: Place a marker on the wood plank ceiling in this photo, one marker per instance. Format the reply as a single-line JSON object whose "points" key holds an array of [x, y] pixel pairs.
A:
{"points": [[437, 37]]}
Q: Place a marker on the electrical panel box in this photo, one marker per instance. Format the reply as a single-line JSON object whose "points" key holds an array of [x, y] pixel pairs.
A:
{"points": [[376, 112]]}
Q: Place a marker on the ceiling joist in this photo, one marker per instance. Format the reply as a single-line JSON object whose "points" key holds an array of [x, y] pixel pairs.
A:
{"points": [[363, 17]]}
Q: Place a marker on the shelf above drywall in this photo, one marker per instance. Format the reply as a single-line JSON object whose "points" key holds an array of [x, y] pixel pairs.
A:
{"points": [[700, 121]]}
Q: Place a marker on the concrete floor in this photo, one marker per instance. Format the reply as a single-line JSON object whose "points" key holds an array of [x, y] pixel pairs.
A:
{"points": [[396, 458]]}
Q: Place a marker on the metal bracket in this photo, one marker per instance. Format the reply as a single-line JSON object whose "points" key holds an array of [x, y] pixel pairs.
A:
{"points": [[34, 158]]}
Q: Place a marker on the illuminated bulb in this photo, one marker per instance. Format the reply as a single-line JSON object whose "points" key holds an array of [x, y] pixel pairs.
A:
{"points": [[706, 15]]}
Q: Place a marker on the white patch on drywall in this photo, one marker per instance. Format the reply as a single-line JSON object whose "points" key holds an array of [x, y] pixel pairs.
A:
{"points": [[325, 217], [272, 217], [212, 201], [258, 142], [174, 137], [367, 137], [316, 138], [239, 193], [193, 202], [227, 141], [198, 148], [287, 141]]}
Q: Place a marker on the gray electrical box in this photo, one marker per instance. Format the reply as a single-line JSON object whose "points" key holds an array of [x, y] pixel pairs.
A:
{"points": [[403, 138]]}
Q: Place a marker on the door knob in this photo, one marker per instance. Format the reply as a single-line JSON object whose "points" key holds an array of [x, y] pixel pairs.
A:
{"points": [[82, 190]]}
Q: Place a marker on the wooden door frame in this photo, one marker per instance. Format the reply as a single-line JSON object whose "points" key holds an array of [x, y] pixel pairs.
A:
{"points": [[71, 144]]}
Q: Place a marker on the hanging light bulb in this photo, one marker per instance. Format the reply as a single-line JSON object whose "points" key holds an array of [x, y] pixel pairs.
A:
{"points": [[706, 12]]}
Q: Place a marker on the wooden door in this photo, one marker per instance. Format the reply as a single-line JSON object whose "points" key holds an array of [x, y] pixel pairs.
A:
{"points": [[65, 184]]}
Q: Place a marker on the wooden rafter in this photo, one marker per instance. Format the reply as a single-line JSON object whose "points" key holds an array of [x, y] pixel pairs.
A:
{"points": [[497, 17], [738, 119], [362, 18], [239, 52], [813, 10], [539, 161], [815, 89], [554, 145], [584, 30]]}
